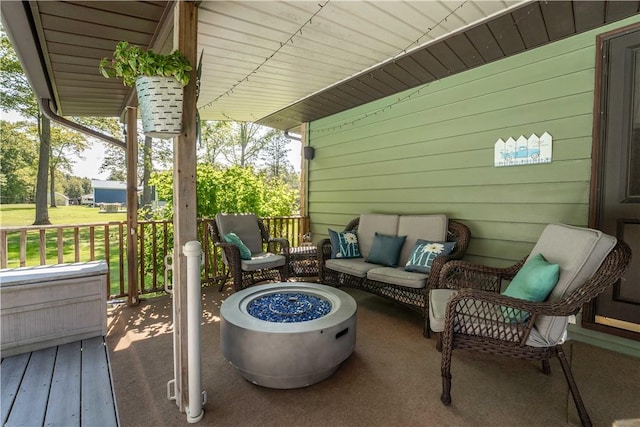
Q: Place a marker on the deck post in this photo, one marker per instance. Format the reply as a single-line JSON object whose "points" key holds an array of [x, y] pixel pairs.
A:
{"points": [[304, 172], [184, 192], [132, 206]]}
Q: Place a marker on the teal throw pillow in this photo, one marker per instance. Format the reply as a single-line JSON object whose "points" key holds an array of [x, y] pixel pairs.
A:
{"points": [[423, 254], [245, 253], [534, 282], [344, 245], [385, 250]]}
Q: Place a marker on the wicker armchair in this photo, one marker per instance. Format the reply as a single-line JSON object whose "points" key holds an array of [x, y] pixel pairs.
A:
{"points": [[269, 256], [471, 314]]}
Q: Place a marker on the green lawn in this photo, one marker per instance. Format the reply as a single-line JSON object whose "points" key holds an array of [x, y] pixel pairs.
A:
{"points": [[68, 217], [22, 215]]}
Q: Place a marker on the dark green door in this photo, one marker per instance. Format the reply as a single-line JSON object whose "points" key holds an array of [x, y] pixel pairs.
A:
{"points": [[618, 175]]}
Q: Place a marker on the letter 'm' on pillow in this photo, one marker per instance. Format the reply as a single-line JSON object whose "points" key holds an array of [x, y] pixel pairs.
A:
{"points": [[385, 250], [344, 245], [534, 282], [424, 252], [245, 253]]}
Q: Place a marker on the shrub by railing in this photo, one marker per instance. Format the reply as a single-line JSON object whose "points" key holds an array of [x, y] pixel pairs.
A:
{"points": [[55, 244]]}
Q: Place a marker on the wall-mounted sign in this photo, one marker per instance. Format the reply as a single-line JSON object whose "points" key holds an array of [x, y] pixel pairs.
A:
{"points": [[523, 151]]}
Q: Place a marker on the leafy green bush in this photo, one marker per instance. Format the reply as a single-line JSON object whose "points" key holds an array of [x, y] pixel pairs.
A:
{"points": [[233, 189]]}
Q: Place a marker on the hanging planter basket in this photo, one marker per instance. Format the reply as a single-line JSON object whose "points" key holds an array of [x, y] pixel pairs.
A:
{"points": [[160, 101]]}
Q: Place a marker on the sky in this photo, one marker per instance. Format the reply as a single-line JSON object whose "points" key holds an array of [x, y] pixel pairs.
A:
{"points": [[89, 167]]}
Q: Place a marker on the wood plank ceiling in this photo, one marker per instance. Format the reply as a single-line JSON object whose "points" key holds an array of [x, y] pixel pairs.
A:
{"points": [[77, 35], [525, 27], [281, 63]]}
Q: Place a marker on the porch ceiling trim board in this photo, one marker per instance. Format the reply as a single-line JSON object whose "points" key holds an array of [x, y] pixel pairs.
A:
{"points": [[323, 58], [525, 27]]}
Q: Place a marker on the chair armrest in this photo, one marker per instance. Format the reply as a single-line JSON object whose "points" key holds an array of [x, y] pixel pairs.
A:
{"points": [[273, 241], [438, 264], [279, 241], [225, 246], [460, 234], [231, 253], [458, 274], [479, 313], [323, 250], [491, 315]]}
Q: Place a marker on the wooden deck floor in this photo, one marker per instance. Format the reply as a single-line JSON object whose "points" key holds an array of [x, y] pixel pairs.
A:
{"points": [[67, 385]]}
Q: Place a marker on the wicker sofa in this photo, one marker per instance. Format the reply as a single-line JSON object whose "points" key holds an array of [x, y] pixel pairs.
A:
{"points": [[410, 289]]}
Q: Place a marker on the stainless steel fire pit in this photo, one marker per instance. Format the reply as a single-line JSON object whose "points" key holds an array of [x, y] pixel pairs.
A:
{"points": [[288, 335]]}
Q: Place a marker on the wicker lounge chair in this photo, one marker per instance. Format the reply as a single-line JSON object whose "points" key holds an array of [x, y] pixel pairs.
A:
{"points": [[471, 314], [268, 258]]}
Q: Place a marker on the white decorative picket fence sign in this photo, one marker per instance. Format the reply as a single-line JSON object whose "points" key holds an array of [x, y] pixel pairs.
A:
{"points": [[523, 151]]}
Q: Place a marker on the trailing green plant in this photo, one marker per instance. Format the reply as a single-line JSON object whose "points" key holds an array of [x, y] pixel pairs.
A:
{"points": [[130, 62]]}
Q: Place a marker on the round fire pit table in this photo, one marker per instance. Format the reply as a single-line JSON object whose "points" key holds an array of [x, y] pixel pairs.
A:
{"points": [[288, 335]]}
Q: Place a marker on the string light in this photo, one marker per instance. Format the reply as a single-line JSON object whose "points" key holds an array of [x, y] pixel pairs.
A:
{"points": [[268, 58], [429, 29], [417, 91], [401, 53]]}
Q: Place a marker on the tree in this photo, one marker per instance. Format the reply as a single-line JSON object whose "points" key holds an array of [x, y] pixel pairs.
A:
{"points": [[18, 157], [216, 136], [274, 154], [16, 91], [107, 125], [114, 162], [75, 187], [65, 144], [248, 140], [147, 167], [231, 189], [18, 96], [42, 211]]}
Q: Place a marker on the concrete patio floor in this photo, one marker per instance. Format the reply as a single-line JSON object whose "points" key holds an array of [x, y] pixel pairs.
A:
{"points": [[392, 378]]}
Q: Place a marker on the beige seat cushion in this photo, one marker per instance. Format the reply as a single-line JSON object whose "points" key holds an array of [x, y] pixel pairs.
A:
{"points": [[369, 224], [426, 227], [353, 266], [261, 261], [438, 300], [397, 276]]}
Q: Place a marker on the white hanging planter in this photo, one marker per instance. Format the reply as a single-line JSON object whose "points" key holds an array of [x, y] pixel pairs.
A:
{"points": [[160, 101]]}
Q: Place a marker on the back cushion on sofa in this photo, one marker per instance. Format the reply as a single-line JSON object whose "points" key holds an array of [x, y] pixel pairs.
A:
{"points": [[372, 223], [426, 227]]}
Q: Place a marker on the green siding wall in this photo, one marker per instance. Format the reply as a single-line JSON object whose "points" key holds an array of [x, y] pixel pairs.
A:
{"points": [[430, 150]]}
